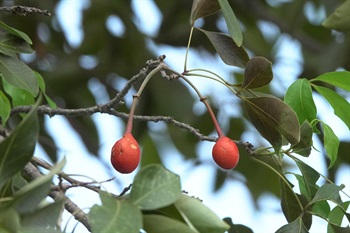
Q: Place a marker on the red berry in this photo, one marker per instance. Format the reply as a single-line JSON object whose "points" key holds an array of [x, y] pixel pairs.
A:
{"points": [[225, 153], [125, 156]]}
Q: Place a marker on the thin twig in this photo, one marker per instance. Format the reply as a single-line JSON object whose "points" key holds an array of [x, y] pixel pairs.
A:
{"points": [[24, 10]]}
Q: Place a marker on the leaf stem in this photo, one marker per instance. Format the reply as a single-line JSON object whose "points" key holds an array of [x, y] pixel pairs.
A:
{"points": [[188, 48], [136, 97]]}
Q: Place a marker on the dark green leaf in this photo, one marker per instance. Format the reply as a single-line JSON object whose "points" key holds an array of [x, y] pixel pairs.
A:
{"points": [[271, 115], [5, 108], [340, 105], [27, 198], [328, 192], [115, 216], [45, 217], [337, 229], [310, 177], [339, 19], [231, 22], [258, 73], [234, 228], [227, 49], [16, 32], [199, 216], [303, 147], [155, 187], [297, 226], [161, 224], [18, 74], [331, 143], [10, 44], [290, 203], [42, 87], [339, 79], [202, 8], [17, 149], [299, 98]]}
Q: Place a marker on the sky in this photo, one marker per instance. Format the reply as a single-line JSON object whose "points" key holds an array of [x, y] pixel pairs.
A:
{"points": [[233, 200]]}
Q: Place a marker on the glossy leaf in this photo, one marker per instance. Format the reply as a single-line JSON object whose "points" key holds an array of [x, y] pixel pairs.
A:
{"points": [[155, 187], [199, 216], [328, 192], [303, 147], [339, 19], [231, 22], [5, 108], [16, 32], [28, 198], [45, 217], [18, 96], [162, 224], [257, 73], [227, 49], [18, 148], [299, 98], [297, 226], [10, 44], [115, 216], [18, 74], [310, 177], [271, 115], [340, 105], [331, 143], [42, 87], [202, 8], [339, 79]]}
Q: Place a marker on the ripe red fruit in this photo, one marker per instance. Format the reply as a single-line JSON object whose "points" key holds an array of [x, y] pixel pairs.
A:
{"points": [[125, 156], [225, 153]]}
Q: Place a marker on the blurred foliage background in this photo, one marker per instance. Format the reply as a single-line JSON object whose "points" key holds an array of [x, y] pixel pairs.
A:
{"points": [[106, 59]]}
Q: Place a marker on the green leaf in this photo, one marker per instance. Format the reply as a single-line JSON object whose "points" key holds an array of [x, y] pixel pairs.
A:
{"points": [[299, 98], [303, 147], [340, 105], [27, 198], [339, 79], [202, 8], [150, 154], [227, 49], [297, 226], [310, 177], [322, 209], [161, 224], [18, 74], [18, 96], [16, 32], [45, 217], [231, 22], [234, 228], [155, 187], [337, 229], [42, 87], [114, 216], [289, 203], [18, 148], [328, 192], [10, 44], [339, 19], [331, 143], [9, 221], [199, 216], [271, 115], [257, 73], [5, 109]]}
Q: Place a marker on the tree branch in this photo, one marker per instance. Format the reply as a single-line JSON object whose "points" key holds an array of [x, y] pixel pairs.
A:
{"points": [[24, 10], [33, 173]]}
